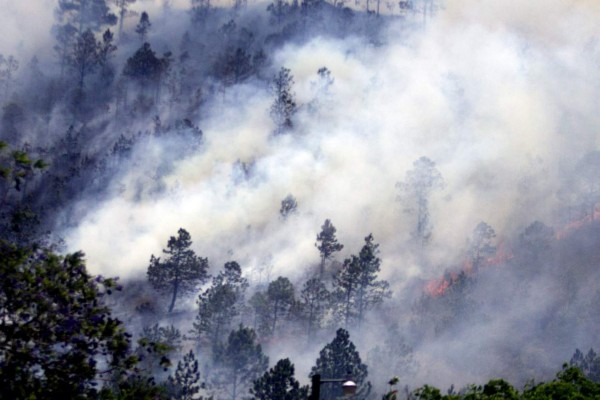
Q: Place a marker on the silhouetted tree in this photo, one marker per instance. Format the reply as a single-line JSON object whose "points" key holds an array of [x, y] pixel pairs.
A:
{"points": [[274, 305], [85, 14], [185, 383], [181, 271], [415, 191], [124, 12], [284, 106], [340, 360], [279, 9], [220, 305], [589, 364], [356, 288], [155, 346], [279, 384], [314, 300], [143, 26], [84, 58], [327, 244], [288, 206], [144, 66], [8, 66], [238, 362], [200, 11], [480, 245]]}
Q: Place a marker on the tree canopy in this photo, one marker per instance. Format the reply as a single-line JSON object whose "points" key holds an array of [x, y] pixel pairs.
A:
{"points": [[181, 271], [57, 338]]}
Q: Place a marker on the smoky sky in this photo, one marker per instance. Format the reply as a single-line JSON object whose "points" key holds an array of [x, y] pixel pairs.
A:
{"points": [[502, 96]]}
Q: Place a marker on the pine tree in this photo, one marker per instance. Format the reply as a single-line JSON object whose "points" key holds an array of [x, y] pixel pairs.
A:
{"points": [[284, 106], [144, 66], [220, 305], [155, 345], [123, 7], [327, 244], [185, 383], [588, 364], [415, 192], [181, 272], [356, 286], [238, 362], [143, 26], [288, 206], [85, 14], [279, 384], [340, 360], [73, 18], [480, 245], [84, 58], [314, 300]]}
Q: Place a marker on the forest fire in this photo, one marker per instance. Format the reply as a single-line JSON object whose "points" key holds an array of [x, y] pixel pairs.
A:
{"points": [[438, 287], [578, 224]]}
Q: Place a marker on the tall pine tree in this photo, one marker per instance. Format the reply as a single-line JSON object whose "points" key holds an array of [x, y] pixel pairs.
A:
{"points": [[238, 362], [340, 360], [181, 271], [327, 244], [279, 384], [185, 383], [356, 288], [220, 305]]}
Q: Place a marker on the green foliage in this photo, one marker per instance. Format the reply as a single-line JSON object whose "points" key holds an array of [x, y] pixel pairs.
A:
{"points": [[144, 66], [392, 394], [327, 244], [314, 301], [181, 272], [274, 305], [338, 360], [185, 383], [356, 288], [220, 305], [279, 384], [55, 332], [155, 345], [238, 362], [17, 167], [570, 383], [280, 296], [134, 387], [428, 393], [588, 364]]}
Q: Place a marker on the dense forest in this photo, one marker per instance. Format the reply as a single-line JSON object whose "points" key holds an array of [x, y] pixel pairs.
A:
{"points": [[225, 201]]}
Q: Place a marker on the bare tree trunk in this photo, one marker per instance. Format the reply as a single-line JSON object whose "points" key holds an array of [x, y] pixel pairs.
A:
{"points": [[175, 289]]}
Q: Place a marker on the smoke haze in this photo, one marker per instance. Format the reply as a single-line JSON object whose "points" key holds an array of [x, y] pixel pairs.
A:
{"points": [[502, 96]]}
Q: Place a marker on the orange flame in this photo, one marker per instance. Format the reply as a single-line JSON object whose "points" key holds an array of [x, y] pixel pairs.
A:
{"points": [[577, 224], [438, 287]]}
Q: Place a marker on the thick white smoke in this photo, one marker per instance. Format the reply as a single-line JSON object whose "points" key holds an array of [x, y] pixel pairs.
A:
{"points": [[501, 95], [501, 102]]}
